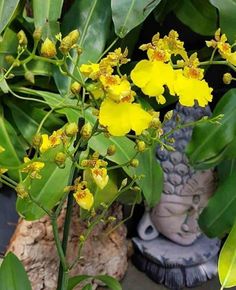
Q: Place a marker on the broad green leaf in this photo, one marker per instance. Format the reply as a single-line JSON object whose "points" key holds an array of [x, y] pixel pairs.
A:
{"points": [[199, 15], [37, 68], [227, 261], [74, 281], [8, 45], [47, 191], [227, 21], [13, 275], [93, 19], [105, 195], [14, 152], [54, 101], [28, 122], [125, 150], [219, 215], [226, 168], [203, 151], [7, 10], [110, 282], [46, 16], [127, 14], [152, 182]]}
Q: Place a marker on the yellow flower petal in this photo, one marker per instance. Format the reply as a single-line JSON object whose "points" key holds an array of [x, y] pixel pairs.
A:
{"points": [[120, 118], [231, 57], [151, 76], [100, 176], [189, 90], [90, 70], [84, 198], [45, 143]]}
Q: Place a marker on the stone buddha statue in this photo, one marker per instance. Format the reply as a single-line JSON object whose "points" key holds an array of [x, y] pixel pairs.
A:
{"points": [[169, 236]]}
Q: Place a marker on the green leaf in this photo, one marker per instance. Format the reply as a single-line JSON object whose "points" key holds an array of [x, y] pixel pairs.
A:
{"points": [[73, 281], [7, 10], [125, 150], [13, 275], [203, 151], [227, 261], [105, 195], [14, 152], [219, 215], [47, 191], [199, 15], [152, 182], [8, 45], [28, 122], [227, 21], [93, 19], [226, 168], [46, 16], [87, 287], [110, 282], [127, 14]]}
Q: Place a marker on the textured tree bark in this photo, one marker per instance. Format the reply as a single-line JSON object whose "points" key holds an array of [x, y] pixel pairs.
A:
{"points": [[103, 253]]}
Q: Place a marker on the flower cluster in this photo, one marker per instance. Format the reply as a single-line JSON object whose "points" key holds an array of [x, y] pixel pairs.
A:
{"points": [[158, 72], [224, 48], [118, 112]]}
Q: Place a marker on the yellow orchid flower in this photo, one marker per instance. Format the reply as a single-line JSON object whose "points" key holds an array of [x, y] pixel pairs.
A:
{"points": [[152, 76], [191, 89], [100, 176], [120, 118], [84, 198], [33, 168]]}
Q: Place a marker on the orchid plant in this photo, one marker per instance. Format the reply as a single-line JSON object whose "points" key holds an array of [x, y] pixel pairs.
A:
{"points": [[97, 119]]}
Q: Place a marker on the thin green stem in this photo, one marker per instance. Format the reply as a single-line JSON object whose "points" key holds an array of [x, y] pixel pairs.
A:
{"points": [[108, 48], [62, 274], [9, 180], [58, 243], [7, 183], [39, 205]]}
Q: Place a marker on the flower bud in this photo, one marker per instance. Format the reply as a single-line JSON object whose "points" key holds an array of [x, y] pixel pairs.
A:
{"points": [[79, 51], [37, 140], [2, 149], [21, 190], [68, 41], [74, 36], [111, 150], [75, 88], [9, 59], [136, 188], [29, 76], [227, 78], [84, 163], [168, 115], [48, 49], [134, 163], [141, 146], [66, 44], [22, 38], [60, 159], [37, 33], [71, 129], [124, 182], [86, 131]]}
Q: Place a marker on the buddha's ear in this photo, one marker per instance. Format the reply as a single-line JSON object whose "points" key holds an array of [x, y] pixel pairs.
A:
{"points": [[146, 229]]}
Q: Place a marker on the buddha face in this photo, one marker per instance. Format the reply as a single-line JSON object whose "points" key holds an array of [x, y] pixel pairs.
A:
{"points": [[176, 215]]}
